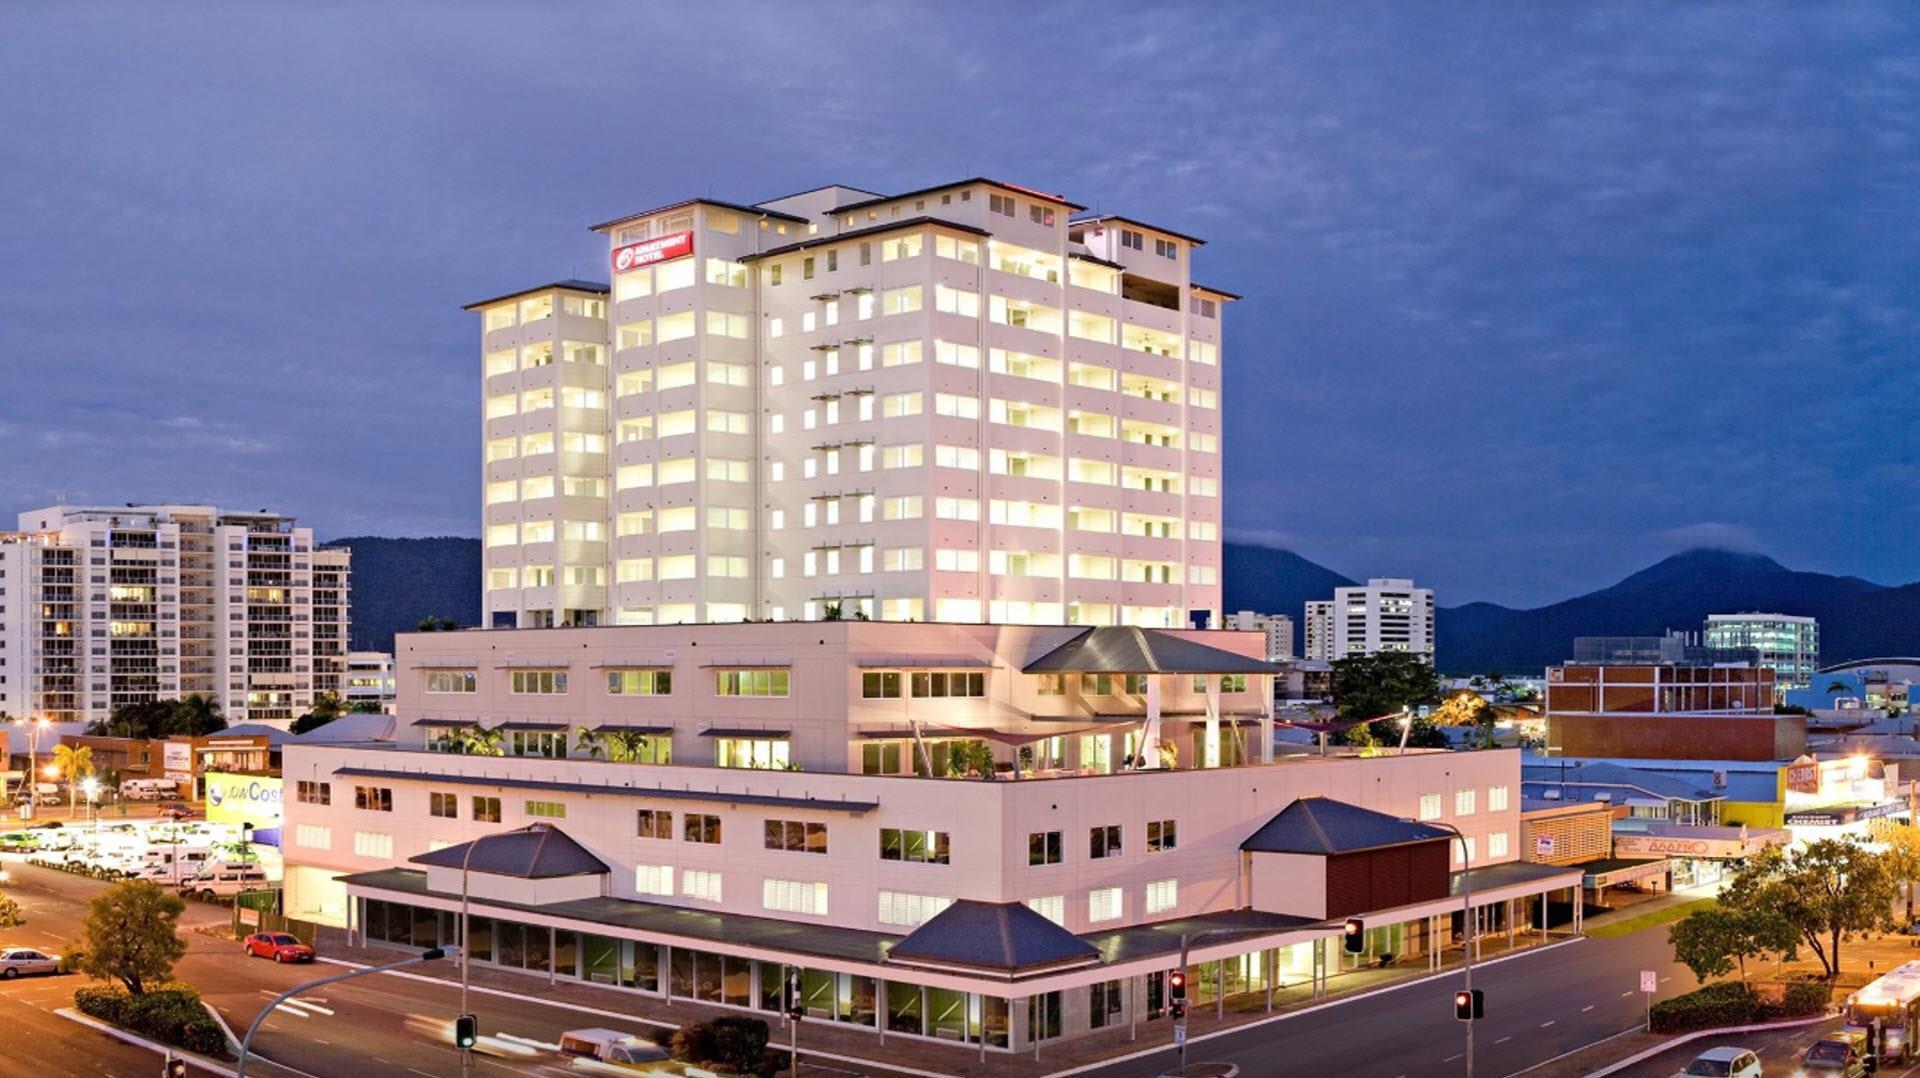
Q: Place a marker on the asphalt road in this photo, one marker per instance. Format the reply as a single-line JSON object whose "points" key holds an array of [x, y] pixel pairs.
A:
{"points": [[1538, 1006], [1779, 1053]]}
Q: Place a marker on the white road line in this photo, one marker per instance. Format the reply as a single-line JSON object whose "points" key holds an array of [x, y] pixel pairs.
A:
{"points": [[382, 1062], [1503, 1040], [1624, 995], [1586, 1008], [1548, 1022], [1453, 1057]]}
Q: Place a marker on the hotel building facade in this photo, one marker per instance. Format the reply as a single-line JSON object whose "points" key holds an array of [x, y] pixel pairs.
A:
{"points": [[959, 404], [106, 606], [687, 812]]}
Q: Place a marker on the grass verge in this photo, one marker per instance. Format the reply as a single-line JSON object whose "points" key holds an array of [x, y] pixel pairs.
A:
{"points": [[1650, 920]]}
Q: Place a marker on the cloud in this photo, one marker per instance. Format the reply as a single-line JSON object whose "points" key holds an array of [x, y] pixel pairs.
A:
{"points": [[1267, 537], [1712, 534]]}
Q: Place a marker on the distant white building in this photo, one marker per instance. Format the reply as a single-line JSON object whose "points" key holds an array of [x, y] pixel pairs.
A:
{"points": [[1788, 644], [369, 678], [1277, 627], [1319, 628], [1386, 614]]}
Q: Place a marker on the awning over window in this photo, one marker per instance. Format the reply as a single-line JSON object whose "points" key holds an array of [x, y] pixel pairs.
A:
{"points": [[741, 731]]}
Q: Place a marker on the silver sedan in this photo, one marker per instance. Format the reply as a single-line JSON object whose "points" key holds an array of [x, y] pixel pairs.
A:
{"points": [[16, 961]]}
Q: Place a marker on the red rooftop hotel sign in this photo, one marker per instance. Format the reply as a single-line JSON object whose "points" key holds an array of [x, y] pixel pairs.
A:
{"points": [[647, 252]]}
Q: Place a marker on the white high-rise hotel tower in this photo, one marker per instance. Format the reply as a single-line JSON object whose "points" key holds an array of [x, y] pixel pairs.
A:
{"points": [[956, 404]]}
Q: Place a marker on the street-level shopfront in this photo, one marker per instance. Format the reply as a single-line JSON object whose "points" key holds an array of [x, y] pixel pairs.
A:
{"points": [[1019, 1016], [1694, 856]]}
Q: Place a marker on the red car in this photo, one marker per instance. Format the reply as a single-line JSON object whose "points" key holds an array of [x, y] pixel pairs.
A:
{"points": [[278, 946]]}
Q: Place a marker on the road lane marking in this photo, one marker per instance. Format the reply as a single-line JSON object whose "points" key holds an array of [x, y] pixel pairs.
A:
{"points": [[1586, 1008], [382, 1062], [1453, 1057], [1548, 1022], [1503, 1040], [1624, 995]]}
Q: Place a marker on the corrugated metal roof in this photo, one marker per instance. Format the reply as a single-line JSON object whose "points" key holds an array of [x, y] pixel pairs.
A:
{"points": [[1321, 825], [1004, 937], [1126, 649], [536, 852]]}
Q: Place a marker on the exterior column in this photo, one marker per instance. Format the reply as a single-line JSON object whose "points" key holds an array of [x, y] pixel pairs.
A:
{"points": [[1509, 912], [880, 1011], [1213, 722], [666, 973], [1273, 973], [553, 947], [1266, 722], [1133, 1010], [1220, 989], [1150, 736]]}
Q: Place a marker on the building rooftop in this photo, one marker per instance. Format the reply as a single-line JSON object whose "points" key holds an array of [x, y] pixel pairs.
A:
{"points": [[737, 207], [1321, 825], [1003, 937], [1097, 218], [1592, 775], [718, 797], [1013, 187], [1119, 649], [536, 852], [827, 240], [570, 284]]}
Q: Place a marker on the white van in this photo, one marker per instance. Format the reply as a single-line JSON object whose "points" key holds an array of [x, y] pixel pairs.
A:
{"points": [[225, 881], [169, 865], [148, 789], [610, 1046]]}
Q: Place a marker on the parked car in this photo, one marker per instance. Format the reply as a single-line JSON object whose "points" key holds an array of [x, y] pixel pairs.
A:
{"points": [[1840, 1055], [278, 946], [226, 882], [20, 961], [610, 1046], [1724, 1062]]}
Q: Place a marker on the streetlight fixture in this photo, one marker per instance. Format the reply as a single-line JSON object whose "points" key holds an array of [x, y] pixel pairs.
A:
{"points": [[1180, 1026], [91, 787], [1466, 890], [33, 764]]}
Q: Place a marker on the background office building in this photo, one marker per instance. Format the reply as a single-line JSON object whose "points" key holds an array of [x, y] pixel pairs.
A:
{"points": [[1277, 628], [1318, 631], [101, 607], [1387, 614], [1786, 644], [959, 404]]}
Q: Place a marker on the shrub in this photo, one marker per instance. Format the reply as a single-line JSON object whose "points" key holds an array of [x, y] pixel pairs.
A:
{"points": [[691, 1043], [107, 1003], [1729, 1003], [204, 1036], [729, 1044], [1805, 997], [171, 1013]]}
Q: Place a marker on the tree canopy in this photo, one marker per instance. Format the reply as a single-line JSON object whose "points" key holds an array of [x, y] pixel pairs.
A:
{"points": [[1368, 686], [1710, 941], [191, 716], [1825, 890], [131, 935], [326, 708]]}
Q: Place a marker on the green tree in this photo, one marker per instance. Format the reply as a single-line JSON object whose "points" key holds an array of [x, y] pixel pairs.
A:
{"points": [[1370, 686], [591, 742], [132, 935], [10, 915], [364, 707], [1710, 941], [326, 708], [1902, 856], [434, 623], [73, 764], [477, 740], [199, 715], [1825, 890]]}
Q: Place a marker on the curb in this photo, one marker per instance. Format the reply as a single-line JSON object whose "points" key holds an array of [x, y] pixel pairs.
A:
{"points": [[200, 1061], [1675, 1042], [233, 1042]]}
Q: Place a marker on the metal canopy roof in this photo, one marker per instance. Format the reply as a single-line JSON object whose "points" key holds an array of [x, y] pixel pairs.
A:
{"points": [[1321, 825], [1126, 649], [1003, 937], [535, 852]]}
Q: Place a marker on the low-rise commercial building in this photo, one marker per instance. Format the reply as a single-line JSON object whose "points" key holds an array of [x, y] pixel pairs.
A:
{"points": [[988, 835]]}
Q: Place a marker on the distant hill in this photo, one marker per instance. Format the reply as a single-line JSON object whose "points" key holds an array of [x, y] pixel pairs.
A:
{"points": [[396, 582], [1273, 581], [1858, 618]]}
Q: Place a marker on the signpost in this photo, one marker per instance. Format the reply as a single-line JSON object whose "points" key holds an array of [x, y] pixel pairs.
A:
{"points": [[1649, 983]]}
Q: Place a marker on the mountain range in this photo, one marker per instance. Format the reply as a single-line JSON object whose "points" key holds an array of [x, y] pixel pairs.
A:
{"points": [[397, 582], [1858, 618]]}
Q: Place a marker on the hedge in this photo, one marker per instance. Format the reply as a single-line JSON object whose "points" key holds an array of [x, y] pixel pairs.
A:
{"points": [[730, 1045], [171, 1013], [1731, 1003]]}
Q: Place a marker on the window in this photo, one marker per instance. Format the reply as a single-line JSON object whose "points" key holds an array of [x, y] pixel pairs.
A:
{"points": [[446, 806], [704, 886], [1463, 802], [761, 754], [939, 683], [313, 837], [910, 911], [486, 810], [900, 300], [1051, 684], [1497, 844], [1429, 806], [795, 836], [1105, 903], [654, 823], [1469, 853], [702, 828], [1133, 239], [1161, 835], [1166, 248], [549, 744], [1043, 848], [754, 682], [880, 684], [794, 896], [1496, 799], [639, 682], [539, 682], [880, 758], [547, 810], [1040, 215], [314, 793], [373, 798], [653, 879], [373, 844], [1103, 841], [1162, 895], [1001, 204], [921, 847], [1104, 1004], [441, 681], [1052, 907]]}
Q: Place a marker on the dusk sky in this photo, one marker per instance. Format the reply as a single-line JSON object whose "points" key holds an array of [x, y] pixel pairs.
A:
{"points": [[1535, 293]]}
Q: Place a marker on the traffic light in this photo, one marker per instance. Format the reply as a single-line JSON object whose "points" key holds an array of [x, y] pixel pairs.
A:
{"points": [[1469, 1004], [466, 1030], [793, 1005], [1354, 937], [1177, 993], [175, 1068]]}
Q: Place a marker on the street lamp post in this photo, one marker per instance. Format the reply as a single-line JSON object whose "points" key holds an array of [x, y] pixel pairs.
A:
{"points": [[466, 957], [1180, 1027], [91, 787], [33, 765], [246, 1043], [1466, 891]]}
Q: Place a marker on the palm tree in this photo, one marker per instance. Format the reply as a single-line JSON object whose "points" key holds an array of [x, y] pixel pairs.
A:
{"points": [[477, 740], [201, 715], [626, 746], [73, 764], [1837, 686], [591, 743]]}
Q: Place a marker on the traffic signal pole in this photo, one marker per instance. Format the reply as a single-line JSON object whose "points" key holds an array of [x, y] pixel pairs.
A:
{"points": [[246, 1042]]}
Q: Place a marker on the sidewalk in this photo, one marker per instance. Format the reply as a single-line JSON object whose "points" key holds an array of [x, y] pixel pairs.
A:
{"points": [[933, 1057]]}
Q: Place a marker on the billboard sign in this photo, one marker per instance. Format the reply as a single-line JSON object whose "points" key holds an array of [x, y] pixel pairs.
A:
{"points": [[176, 758], [645, 253], [243, 799]]}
